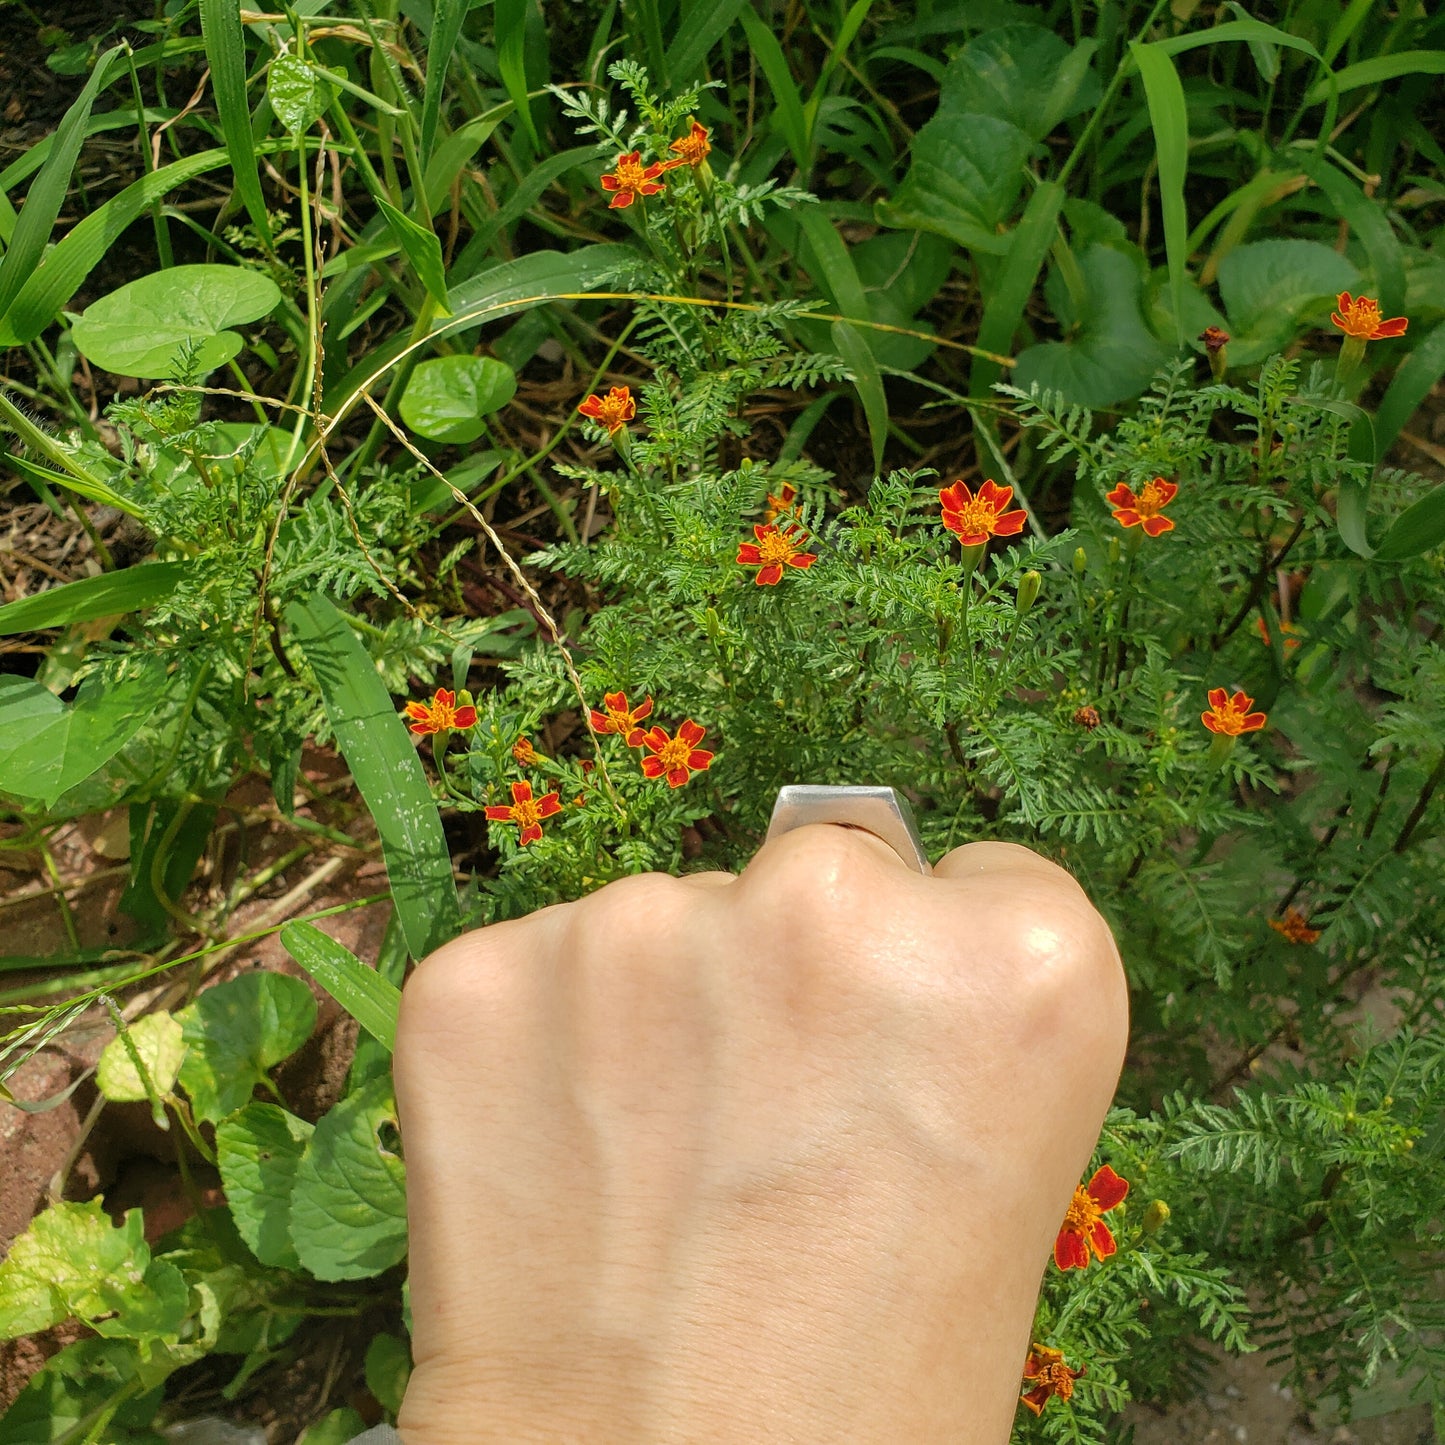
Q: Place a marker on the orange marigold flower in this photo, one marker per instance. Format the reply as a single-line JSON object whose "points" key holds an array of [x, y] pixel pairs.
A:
{"points": [[526, 812], [1231, 715], [1083, 1229], [612, 411], [784, 504], [973, 520], [692, 149], [1053, 1377], [1359, 316], [1087, 717], [524, 752], [1287, 629], [773, 550], [677, 758], [1295, 927], [1146, 509], [619, 718], [629, 178], [440, 715]]}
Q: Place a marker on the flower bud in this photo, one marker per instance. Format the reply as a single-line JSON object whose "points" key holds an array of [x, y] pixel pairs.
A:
{"points": [[465, 699], [1081, 562], [1156, 1216], [1216, 343], [1115, 550], [1028, 592]]}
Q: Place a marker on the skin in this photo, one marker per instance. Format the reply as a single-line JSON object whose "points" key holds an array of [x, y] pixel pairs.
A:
{"points": [[779, 1157]]}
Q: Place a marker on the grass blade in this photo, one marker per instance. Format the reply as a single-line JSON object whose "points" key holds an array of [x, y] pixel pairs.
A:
{"points": [[1369, 223], [361, 991], [788, 117], [108, 595], [869, 381], [226, 55], [1378, 69], [446, 27], [47, 193], [511, 24], [1170, 120], [699, 28], [379, 752], [1413, 382], [422, 249], [71, 474]]}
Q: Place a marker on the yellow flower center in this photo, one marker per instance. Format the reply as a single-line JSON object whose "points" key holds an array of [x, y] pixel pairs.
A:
{"points": [[1362, 317], [693, 149], [976, 517], [620, 720], [443, 715], [1150, 502], [674, 754], [525, 814], [612, 414], [1058, 1377], [630, 174], [775, 548], [1083, 1213], [1230, 719]]}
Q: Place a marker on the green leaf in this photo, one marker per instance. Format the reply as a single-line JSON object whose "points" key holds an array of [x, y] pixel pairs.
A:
{"points": [[527, 192], [1170, 121], [361, 991], [1112, 354], [422, 249], [446, 27], [1371, 225], [701, 24], [66, 265], [159, 1041], [337, 1428], [298, 93], [388, 1367], [1419, 528], [788, 118], [71, 475], [866, 377], [1412, 383], [47, 192], [144, 328], [1023, 74], [510, 28], [348, 1210], [112, 594], [1269, 287], [47, 747], [258, 1151], [384, 763], [64, 1398], [238, 1030], [531, 280], [226, 55], [73, 1263], [1378, 69], [447, 397]]}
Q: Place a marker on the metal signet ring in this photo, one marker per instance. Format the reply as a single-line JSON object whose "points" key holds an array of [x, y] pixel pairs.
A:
{"points": [[881, 811]]}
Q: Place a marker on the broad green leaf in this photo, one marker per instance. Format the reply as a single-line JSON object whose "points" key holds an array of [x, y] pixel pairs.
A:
{"points": [[159, 1041], [258, 1150], [1420, 528], [388, 1367], [226, 54], [447, 397], [73, 1263], [336, 1428], [267, 449], [112, 594], [1112, 354], [1412, 383], [348, 1209], [47, 746], [1269, 287], [48, 190], [1023, 74], [1372, 228], [372, 1059], [297, 92], [238, 1030], [422, 249], [531, 280], [1170, 121], [455, 150], [387, 770], [61, 1400], [361, 991], [144, 328], [66, 265]]}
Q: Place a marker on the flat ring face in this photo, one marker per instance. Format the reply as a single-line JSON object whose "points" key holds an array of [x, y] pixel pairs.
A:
{"points": [[880, 811]]}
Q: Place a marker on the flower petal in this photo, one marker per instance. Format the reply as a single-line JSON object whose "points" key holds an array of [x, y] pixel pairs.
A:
{"points": [[1211, 722], [699, 760], [499, 814], [1157, 526], [530, 834], [652, 768], [642, 710], [1127, 517], [676, 777], [620, 201], [802, 559], [1121, 496], [1252, 722], [1036, 1398], [548, 805], [1218, 697], [770, 575], [1070, 1251], [1010, 524], [466, 717], [691, 733], [445, 697], [749, 555], [1102, 1240], [1107, 1189], [956, 497], [995, 496], [610, 182]]}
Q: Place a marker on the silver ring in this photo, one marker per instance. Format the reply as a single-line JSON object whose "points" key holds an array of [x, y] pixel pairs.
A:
{"points": [[881, 811]]}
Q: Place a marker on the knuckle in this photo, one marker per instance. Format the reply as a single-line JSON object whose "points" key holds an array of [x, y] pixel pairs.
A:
{"points": [[820, 870]]}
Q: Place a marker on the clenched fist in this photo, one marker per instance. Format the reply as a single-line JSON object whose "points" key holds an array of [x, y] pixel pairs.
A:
{"points": [[770, 1158]]}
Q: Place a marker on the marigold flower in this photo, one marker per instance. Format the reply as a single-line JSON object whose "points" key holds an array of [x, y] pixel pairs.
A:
{"points": [[973, 520], [1214, 338], [1053, 1377], [678, 757], [618, 718], [784, 504], [1083, 1229], [773, 550], [631, 179], [692, 149], [612, 411], [1295, 927], [1146, 509], [1231, 715], [1359, 316], [524, 753], [1087, 717], [440, 715], [526, 812], [1287, 631]]}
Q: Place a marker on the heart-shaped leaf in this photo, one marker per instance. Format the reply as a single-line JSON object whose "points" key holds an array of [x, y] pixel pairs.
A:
{"points": [[448, 396], [1269, 287], [152, 326], [259, 1149], [159, 1041], [297, 93]]}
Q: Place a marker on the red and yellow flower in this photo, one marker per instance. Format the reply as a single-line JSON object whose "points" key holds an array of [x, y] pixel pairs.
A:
{"points": [[773, 551], [676, 758], [612, 411], [1146, 509], [692, 149], [1295, 927], [441, 714], [526, 812], [1359, 317], [619, 718], [630, 179], [783, 504], [1230, 716], [1050, 1376], [523, 752], [973, 520], [1084, 1230]]}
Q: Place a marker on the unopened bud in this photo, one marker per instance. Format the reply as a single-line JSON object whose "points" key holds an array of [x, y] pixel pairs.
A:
{"points": [[1216, 342], [1156, 1216], [1028, 592], [465, 699], [1115, 549], [1081, 561], [1087, 717]]}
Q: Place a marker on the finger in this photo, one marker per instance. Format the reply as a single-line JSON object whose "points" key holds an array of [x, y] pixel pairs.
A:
{"points": [[840, 840], [975, 860]]}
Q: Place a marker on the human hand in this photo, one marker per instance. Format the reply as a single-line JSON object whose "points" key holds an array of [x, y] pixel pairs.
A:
{"points": [[765, 1159]]}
